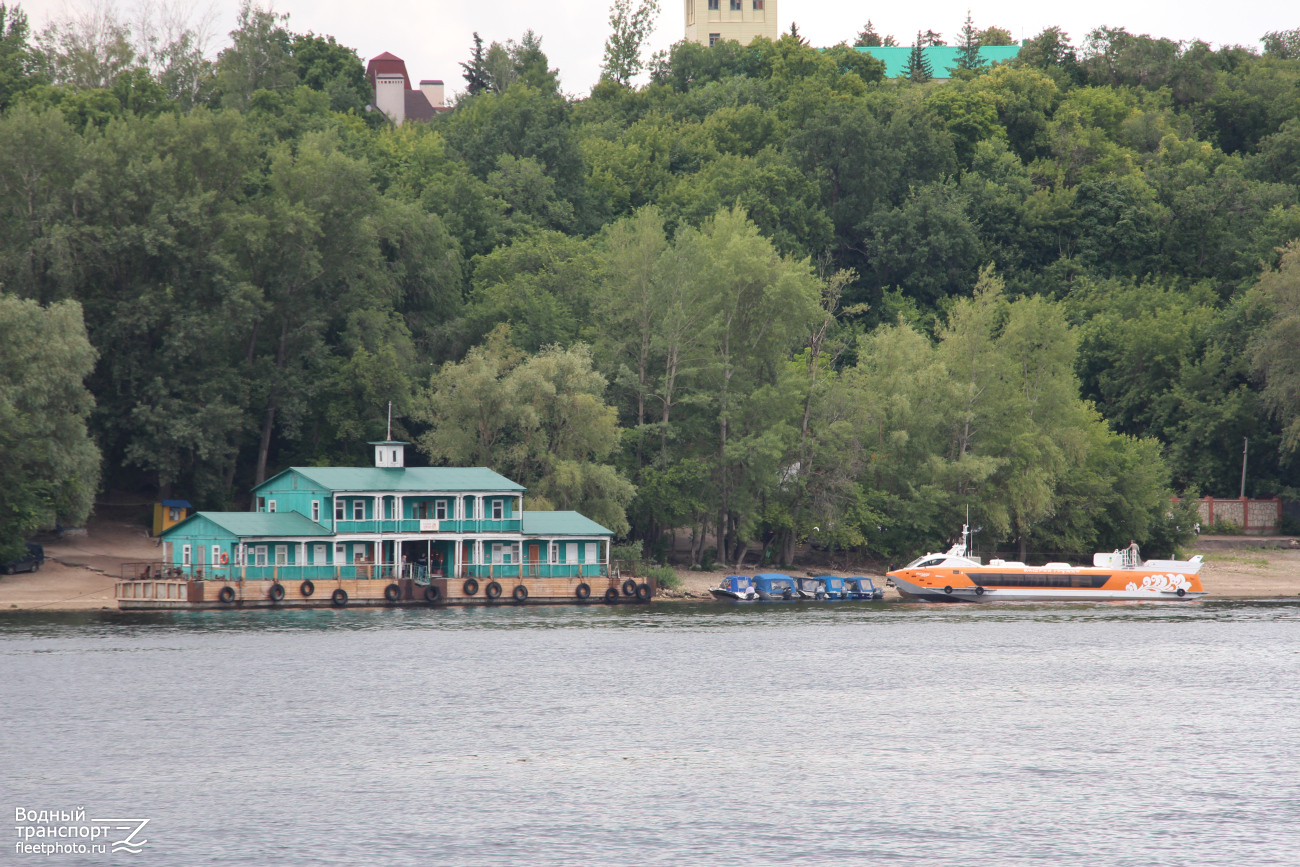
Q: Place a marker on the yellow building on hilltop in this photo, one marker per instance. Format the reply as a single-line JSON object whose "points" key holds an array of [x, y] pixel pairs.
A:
{"points": [[707, 21]]}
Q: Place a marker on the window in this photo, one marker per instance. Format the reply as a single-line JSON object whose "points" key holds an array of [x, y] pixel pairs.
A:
{"points": [[261, 504], [440, 510], [173, 514], [340, 509], [259, 556], [282, 555], [555, 552], [358, 510], [216, 555], [186, 555], [270, 505], [735, 5], [713, 7], [690, 11], [714, 37], [315, 510], [758, 5], [498, 510]]}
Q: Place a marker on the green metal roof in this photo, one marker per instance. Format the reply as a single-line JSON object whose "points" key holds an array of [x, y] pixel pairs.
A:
{"points": [[561, 524], [942, 57], [258, 524], [404, 479]]}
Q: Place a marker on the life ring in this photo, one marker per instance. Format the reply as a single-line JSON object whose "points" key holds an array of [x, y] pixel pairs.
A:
{"points": [[582, 591], [339, 597], [307, 588], [432, 593], [520, 593], [493, 590], [471, 587], [225, 558], [276, 592], [948, 590], [392, 592], [979, 591], [643, 592], [629, 587], [227, 594], [611, 595]]}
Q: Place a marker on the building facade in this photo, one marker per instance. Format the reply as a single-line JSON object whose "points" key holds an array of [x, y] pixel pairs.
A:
{"points": [[394, 95], [386, 521], [942, 58], [708, 21]]}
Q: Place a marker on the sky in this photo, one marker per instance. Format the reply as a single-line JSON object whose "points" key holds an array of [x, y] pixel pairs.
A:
{"points": [[433, 36]]}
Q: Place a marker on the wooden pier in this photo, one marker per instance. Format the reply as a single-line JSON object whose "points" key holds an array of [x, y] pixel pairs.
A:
{"points": [[146, 590]]}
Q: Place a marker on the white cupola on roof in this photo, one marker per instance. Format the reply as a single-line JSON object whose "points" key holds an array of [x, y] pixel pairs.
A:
{"points": [[390, 453]]}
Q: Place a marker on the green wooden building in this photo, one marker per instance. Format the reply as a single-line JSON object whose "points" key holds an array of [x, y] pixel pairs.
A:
{"points": [[387, 521]]}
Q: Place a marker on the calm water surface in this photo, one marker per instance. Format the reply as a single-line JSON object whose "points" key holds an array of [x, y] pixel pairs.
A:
{"points": [[666, 734]]}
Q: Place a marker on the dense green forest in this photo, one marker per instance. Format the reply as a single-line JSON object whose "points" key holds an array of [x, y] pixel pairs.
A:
{"points": [[770, 292]]}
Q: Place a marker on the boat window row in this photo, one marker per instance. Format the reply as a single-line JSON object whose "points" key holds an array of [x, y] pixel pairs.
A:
{"points": [[1040, 579]]}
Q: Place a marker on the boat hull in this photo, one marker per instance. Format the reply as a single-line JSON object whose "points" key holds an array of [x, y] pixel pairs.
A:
{"points": [[970, 593]]}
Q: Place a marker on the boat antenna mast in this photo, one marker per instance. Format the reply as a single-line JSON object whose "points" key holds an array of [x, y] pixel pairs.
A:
{"points": [[390, 421]]}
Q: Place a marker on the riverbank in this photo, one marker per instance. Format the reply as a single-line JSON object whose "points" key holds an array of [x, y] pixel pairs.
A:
{"points": [[80, 571]]}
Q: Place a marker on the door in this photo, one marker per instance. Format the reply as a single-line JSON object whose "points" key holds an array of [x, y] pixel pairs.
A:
{"points": [[534, 557], [318, 555]]}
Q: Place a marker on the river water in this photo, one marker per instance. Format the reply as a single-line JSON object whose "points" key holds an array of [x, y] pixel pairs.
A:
{"points": [[665, 734]]}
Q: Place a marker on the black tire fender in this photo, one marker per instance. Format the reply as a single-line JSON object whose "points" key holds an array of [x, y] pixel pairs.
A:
{"points": [[979, 590], [307, 588], [227, 594], [432, 593], [1181, 592], [393, 592], [520, 593], [493, 590], [470, 587], [339, 597], [611, 595], [948, 590], [629, 587], [582, 591], [643, 592], [276, 592]]}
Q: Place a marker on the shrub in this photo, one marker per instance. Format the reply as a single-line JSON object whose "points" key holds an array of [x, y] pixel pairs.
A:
{"points": [[664, 577]]}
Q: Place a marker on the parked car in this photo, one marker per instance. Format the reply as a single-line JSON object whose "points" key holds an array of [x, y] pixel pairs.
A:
{"points": [[30, 563]]}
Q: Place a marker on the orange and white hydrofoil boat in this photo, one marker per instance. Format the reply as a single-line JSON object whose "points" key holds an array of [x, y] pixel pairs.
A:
{"points": [[1121, 575]]}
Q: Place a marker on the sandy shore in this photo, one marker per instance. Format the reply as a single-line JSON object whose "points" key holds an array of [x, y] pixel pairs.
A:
{"points": [[79, 571]]}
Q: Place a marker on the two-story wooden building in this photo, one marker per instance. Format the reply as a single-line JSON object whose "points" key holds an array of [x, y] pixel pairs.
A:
{"points": [[386, 534]]}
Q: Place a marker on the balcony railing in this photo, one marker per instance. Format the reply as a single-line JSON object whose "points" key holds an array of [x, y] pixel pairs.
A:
{"points": [[357, 571], [426, 525]]}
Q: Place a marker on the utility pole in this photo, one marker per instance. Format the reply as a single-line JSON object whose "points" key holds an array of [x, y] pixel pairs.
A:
{"points": [[1244, 448]]}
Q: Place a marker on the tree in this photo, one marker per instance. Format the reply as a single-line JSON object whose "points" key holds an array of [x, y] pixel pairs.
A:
{"points": [[1276, 355], [1282, 44], [918, 67], [325, 65], [931, 38], [260, 57], [476, 74], [629, 31], [18, 65], [968, 52], [868, 37], [49, 465], [995, 36], [539, 419]]}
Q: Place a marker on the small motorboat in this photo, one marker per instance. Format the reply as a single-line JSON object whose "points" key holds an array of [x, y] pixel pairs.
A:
{"points": [[735, 588], [833, 589], [863, 589], [810, 588], [774, 587]]}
